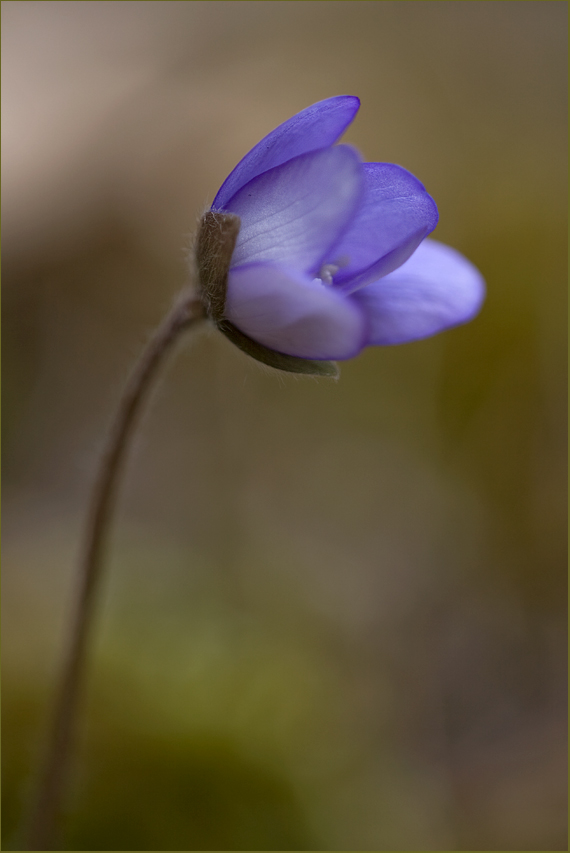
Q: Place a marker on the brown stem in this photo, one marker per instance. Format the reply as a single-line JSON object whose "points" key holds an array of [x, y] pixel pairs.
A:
{"points": [[44, 822]]}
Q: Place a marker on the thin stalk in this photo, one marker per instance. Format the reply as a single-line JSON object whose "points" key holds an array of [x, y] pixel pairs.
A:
{"points": [[43, 828]]}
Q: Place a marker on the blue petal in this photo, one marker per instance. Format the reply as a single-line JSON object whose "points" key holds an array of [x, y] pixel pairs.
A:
{"points": [[435, 289], [395, 216], [317, 126], [284, 310], [294, 213]]}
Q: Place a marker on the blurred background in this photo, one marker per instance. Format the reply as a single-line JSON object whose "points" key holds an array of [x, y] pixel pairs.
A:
{"points": [[333, 614]]}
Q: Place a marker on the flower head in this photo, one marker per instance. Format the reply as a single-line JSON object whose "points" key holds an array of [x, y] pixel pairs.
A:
{"points": [[309, 255]]}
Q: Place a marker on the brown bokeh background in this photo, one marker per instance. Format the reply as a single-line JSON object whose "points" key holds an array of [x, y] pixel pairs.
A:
{"points": [[333, 614]]}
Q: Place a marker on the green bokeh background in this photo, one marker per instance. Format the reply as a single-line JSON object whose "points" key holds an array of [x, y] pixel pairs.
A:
{"points": [[333, 615]]}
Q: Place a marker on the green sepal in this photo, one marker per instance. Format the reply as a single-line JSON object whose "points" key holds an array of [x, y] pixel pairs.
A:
{"points": [[278, 360]]}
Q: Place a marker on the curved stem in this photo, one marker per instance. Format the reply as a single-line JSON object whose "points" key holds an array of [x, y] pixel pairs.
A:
{"points": [[43, 826]]}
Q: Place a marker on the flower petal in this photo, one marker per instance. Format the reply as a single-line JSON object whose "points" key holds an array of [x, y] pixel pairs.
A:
{"points": [[395, 216], [286, 311], [435, 289], [294, 213], [318, 126]]}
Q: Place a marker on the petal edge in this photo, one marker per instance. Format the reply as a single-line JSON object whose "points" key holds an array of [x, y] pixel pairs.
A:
{"points": [[317, 126], [436, 289], [396, 214]]}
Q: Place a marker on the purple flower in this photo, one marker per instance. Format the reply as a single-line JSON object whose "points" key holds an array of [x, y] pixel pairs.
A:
{"points": [[330, 256]]}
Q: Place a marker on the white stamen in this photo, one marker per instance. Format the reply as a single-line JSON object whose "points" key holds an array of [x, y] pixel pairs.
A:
{"points": [[326, 273]]}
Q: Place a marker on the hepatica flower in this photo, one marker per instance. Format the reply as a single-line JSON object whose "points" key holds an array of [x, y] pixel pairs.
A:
{"points": [[330, 256], [307, 256]]}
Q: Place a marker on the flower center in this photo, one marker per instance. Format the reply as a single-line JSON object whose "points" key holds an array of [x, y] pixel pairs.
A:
{"points": [[327, 271]]}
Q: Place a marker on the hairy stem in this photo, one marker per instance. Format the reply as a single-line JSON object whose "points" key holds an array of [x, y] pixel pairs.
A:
{"points": [[43, 829]]}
